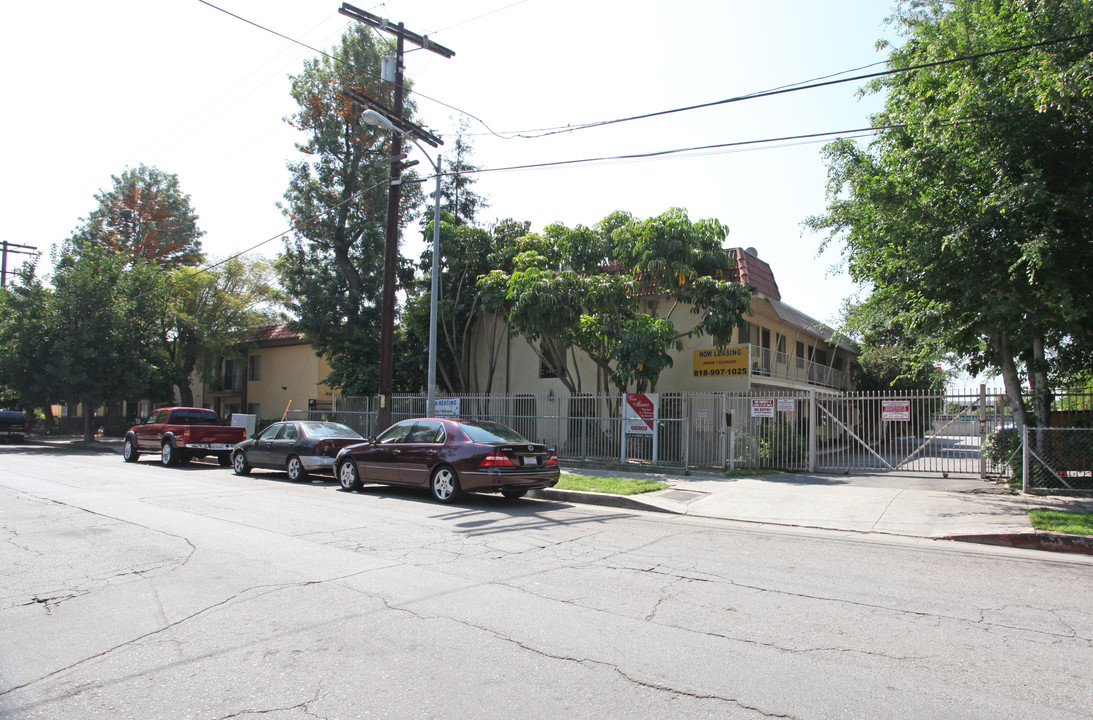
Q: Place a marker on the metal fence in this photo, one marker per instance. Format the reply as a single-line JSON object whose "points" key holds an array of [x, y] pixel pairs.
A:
{"points": [[1057, 459], [796, 430]]}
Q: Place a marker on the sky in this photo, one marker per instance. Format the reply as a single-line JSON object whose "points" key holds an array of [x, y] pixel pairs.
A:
{"points": [[92, 88]]}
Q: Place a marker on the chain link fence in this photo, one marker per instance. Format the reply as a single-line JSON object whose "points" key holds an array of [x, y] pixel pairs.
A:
{"points": [[1057, 459]]}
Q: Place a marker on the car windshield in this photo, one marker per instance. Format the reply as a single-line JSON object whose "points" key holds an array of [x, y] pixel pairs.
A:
{"points": [[489, 432], [328, 430]]}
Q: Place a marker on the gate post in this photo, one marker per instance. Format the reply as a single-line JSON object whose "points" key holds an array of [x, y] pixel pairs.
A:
{"points": [[982, 430], [812, 430]]}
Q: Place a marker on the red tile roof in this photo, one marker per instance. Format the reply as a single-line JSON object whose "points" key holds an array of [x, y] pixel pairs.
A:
{"points": [[275, 334], [754, 273]]}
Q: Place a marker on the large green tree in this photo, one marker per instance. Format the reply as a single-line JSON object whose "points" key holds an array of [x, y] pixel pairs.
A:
{"points": [[26, 342], [613, 291], [145, 215], [332, 268], [105, 312], [970, 215], [209, 311]]}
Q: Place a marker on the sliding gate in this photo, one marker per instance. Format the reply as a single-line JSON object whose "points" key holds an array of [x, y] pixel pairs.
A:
{"points": [[922, 432], [917, 432]]}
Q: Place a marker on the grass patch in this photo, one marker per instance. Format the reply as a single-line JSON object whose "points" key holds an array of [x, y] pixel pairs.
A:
{"points": [[609, 485], [1077, 523], [751, 473]]}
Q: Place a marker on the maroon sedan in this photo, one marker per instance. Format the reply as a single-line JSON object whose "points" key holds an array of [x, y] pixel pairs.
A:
{"points": [[450, 457]]}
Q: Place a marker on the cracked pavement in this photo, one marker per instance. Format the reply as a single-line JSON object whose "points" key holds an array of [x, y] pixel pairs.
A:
{"points": [[135, 591]]}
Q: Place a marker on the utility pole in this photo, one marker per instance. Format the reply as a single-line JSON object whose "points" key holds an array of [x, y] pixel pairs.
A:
{"points": [[10, 248], [394, 196]]}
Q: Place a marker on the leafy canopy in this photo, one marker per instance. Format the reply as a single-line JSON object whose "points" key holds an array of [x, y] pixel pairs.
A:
{"points": [[611, 290]]}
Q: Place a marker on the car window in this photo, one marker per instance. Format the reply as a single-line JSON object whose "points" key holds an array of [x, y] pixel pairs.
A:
{"points": [[489, 432], [157, 417], [195, 417], [270, 432], [288, 432], [328, 430], [395, 433], [427, 431]]}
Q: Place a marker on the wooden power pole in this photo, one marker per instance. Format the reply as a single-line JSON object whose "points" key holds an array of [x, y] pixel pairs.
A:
{"points": [[394, 197]]}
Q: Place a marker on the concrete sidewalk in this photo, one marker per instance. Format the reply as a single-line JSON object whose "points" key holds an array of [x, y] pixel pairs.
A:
{"points": [[962, 509], [965, 509]]}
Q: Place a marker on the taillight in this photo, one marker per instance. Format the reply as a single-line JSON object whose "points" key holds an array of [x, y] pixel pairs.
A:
{"points": [[496, 459], [553, 459], [186, 435], [324, 446]]}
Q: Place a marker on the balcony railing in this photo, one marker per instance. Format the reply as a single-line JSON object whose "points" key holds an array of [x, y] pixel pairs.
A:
{"points": [[783, 366]]}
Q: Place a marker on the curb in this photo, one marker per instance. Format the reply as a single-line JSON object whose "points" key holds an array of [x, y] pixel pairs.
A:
{"points": [[75, 445], [581, 497], [1033, 540]]}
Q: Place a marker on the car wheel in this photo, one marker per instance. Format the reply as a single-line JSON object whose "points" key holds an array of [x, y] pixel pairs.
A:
{"points": [[168, 455], [129, 451], [349, 476], [445, 484], [514, 493], [296, 469], [240, 464]]}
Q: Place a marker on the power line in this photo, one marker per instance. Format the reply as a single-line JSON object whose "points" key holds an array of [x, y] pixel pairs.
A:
{"points": [[810, 86]]}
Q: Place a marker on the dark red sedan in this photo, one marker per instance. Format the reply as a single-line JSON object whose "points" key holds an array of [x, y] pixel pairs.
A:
{"points": [[450, 457]]}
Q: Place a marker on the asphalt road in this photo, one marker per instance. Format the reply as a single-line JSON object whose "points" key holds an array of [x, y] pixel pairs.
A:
{"points": [[135, 591]]}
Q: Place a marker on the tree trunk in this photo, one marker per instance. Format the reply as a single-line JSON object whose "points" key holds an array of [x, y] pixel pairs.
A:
{"points": [[88, 421], [1010, 379]]}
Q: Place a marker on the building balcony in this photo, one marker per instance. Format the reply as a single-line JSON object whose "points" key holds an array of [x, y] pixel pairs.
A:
{"points": [[767, 363]]}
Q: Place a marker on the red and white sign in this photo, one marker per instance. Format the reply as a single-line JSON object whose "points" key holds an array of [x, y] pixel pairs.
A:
{"points": [[897, 410], [762, 407], [639, 414]]}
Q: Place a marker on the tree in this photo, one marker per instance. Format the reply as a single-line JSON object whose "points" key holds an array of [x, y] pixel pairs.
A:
{"points": [[145, 215], [332, 268], [103, 320], [611, 291], [457, 198], [26, 342], [210, 311], [971, 211], [891, 357], [463, 326]]}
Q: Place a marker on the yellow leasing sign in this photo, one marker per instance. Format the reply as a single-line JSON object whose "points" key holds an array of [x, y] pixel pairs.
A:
{"points": [[721, 363]]}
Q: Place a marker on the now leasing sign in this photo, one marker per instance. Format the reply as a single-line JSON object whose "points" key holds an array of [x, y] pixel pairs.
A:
{"points": [[639, 414]]}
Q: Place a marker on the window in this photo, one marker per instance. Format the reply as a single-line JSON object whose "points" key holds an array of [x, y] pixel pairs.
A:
{"points": [[781, 343], [288, 432], [821, 357], [765, 338], [270, 432], [800, 354], [837, 364], [233, 375], [254, 409], [426, 432], [255, 362]]}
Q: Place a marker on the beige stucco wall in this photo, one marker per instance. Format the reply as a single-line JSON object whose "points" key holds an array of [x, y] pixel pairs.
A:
{"points": [[288, 373], [518, 368]]}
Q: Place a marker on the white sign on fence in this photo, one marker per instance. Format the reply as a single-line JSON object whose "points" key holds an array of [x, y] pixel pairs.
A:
{"points": [[762, 407], [786, 405], [447, 407], [898, 410], [639, 414]]}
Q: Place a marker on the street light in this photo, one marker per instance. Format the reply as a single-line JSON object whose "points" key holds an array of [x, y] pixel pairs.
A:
{"points": [[371, 117]]}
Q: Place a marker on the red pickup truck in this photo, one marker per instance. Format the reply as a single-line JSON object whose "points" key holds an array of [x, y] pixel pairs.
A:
{"points": [[179, 434]]}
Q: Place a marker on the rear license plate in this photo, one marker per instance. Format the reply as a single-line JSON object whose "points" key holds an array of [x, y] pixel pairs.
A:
{"points": [[529, 460]]}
